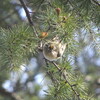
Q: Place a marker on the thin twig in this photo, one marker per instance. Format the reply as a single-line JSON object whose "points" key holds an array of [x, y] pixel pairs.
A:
{"points": [[77, 94], [29, 17], [66, 81], [56, 66]]}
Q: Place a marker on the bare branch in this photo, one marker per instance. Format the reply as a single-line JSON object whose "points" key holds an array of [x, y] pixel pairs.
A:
{"points": [[29, 17]]}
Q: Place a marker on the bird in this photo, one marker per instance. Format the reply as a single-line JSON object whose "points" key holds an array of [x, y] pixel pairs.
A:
{"points": [[54, 49]]}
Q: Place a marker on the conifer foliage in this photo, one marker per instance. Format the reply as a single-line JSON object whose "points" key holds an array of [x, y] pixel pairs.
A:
{"points": [[75, 22]]}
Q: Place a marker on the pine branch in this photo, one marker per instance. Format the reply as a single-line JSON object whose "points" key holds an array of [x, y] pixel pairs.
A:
{"points": [[66, 81], [29, 17], [64, 76]]}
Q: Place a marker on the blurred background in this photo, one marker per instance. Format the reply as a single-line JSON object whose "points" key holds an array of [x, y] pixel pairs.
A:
{"points": [[31, 83]]}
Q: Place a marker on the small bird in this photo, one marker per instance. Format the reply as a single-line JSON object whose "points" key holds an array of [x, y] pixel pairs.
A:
{"points": [[53, 50]]}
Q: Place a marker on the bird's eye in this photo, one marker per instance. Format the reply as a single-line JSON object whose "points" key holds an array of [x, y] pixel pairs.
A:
{"points": [[51, 46]]}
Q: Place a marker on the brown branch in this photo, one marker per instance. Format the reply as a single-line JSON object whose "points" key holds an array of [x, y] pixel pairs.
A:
{"points": [[12, 96], [27, 12], [77, 94], [29, 17], [66, 81], [56, 66]]}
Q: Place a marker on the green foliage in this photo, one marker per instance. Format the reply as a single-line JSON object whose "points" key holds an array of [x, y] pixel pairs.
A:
{"points": [[16, 44], [61, 87], [85, 9]]}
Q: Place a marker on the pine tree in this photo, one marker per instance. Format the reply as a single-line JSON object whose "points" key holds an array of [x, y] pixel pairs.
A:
{"points": [[75, 22]]}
